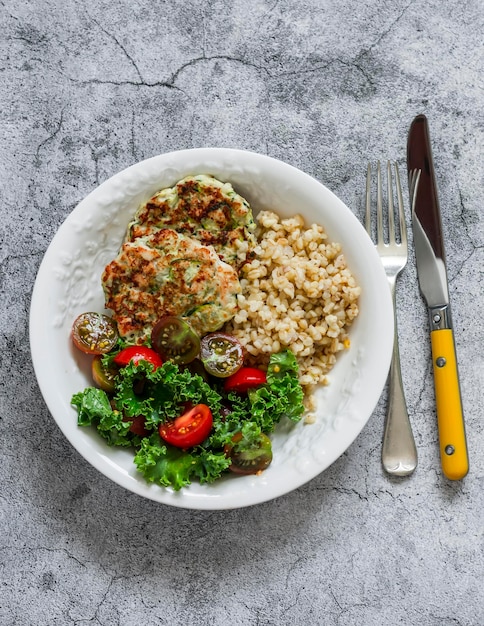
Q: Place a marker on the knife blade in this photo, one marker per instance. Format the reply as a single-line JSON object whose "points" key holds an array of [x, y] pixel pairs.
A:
{"points": [[432, 276]]}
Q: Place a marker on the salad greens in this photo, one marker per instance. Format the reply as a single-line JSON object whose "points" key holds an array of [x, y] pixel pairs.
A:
{"points": [[162, 394]]}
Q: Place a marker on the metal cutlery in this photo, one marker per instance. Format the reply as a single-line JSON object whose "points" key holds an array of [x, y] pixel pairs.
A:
{"points": [[432, 276], [399, 453]]}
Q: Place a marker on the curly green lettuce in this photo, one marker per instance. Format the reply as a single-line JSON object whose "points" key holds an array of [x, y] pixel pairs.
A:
{"points": [[159, 394], [170, 467], [94, 408], [282, 396], [162, 394]]}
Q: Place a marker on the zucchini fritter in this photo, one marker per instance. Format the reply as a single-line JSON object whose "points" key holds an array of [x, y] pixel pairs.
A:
{"points": [[168, 273], [204, 208]]}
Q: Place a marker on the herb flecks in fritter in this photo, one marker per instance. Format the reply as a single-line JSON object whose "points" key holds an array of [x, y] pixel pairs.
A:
{"points": [[204, 208], [168, 273]]}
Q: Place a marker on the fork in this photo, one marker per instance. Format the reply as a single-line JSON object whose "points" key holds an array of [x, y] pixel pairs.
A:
{"points": [[399, 454]]}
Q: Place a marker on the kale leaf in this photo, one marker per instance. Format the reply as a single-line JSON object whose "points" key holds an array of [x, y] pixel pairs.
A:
{"points": [[94, 408], [170, 467], [282, 396]]}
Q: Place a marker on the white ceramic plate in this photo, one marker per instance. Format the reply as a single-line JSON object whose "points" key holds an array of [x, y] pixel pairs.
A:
{"points": [[68, 283]]}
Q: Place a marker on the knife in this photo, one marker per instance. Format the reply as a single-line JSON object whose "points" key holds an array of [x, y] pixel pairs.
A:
{"points": [[432, 277]]}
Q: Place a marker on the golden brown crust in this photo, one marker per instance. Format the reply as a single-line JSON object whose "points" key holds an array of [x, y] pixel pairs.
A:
{"points": [[167, 273]]}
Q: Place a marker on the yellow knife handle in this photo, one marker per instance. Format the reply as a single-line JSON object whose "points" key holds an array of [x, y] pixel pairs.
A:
{"points": [[450, 417]]}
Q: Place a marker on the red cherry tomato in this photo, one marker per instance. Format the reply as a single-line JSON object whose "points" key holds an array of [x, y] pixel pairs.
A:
{"points": [[246, 378], [190, 429], [137, 354]]}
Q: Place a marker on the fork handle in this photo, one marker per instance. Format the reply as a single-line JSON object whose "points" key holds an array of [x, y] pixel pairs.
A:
{"points": [[399, 454]]}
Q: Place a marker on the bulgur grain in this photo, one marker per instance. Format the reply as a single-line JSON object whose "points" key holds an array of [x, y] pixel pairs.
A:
{"points": [[297, 293]]}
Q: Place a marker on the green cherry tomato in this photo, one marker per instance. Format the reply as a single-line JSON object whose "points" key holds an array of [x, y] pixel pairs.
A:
{"points": [[251, 461], [221, 354], [103, 377], [175, 340], [94, 333]]}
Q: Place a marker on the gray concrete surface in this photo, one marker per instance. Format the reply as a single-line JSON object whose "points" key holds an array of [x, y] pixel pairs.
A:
{"points": [[88, 88]]}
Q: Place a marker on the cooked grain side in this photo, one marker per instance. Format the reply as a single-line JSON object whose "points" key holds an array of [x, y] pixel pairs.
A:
{"points": [[297, 293]]}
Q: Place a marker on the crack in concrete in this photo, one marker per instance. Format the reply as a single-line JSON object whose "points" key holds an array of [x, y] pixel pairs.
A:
{"points": [[292, 567], [350, 64], [102, 601], [170, 83], [317, 68], [335, 599], [424, 386], [272, 73], [96, 165], [443, 619], [395, 21], [122, 83], [120, 45], [285, 609], [366, 52], [16, 257], [204, 34], [14, 17], [30, 41], [26, 548], [132, 141], [350, 492], [269, 11], [471, 240], [215, 57], [384, 33], [37, 160], [88, 620]]}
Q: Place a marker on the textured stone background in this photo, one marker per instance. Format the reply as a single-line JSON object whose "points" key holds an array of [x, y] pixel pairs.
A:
{"points": [[87, 89]]}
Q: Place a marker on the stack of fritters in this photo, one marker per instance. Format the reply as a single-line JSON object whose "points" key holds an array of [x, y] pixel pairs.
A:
{"points": [[181, 256]]}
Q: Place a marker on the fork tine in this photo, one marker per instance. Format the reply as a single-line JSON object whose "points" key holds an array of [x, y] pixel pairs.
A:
{"points": [[391, 219], [379, 209], [394, 203], [368, 200], [401, 213]]}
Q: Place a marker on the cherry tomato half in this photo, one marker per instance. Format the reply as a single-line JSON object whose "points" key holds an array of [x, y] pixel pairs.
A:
{"points": [[175, 340], [222, 355], [94, 333], [245, 378], [137, 354], [252, 460], [103, 377], [190, 429]]}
